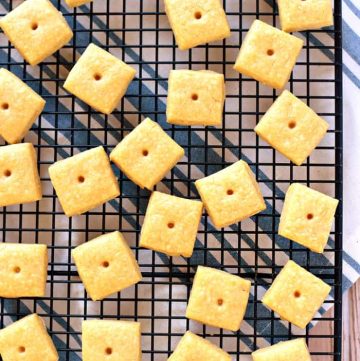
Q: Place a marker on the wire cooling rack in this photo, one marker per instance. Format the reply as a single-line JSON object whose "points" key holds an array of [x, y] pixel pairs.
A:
{"points": [[138, 32]]}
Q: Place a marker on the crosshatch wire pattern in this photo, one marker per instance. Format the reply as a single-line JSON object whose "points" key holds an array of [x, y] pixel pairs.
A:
{"points": [[138, 32]]}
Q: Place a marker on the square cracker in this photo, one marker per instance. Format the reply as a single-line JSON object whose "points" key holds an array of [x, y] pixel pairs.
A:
{"points": [[19, 107], [293, 350], [195, 97], [268, 54], [99, 79], [296, 294], [299, 15], [74, 3], [231, 194], [292, 128], [146, 154], [171, 224], [195, 348], [19, 176], [107, 339], [307, 217], [106, 265], [218, 298], [27, 339], [37, 30], [84, 181], [23, 270], [196, 22]]}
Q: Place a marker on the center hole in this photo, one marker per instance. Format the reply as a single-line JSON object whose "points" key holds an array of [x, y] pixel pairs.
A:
{"points": [[270, 52], [21, 349], [17, 269], [97, 77], [220, 301], [194, 97], [171, 225], [297, 294], [5, 106], [145, 153], [34, 26], [310, 216], [230, 192], [292, 125], [81, 179], [198, 15], [7, 173], [108, 351], [105, 264]]}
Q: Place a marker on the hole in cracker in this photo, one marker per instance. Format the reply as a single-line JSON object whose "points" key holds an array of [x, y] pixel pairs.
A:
{"points": [[97, 77], [34, 26], [171, 225], [5, 106], [297, 294], [198, 15], [270, 52], [81, 179], [220, 301], [7, 173], [292, 125], [230, 192], [310, 216], [145, 153], [21, 349], [17, 269], [108, 350], [105, 264], [194, 97]]}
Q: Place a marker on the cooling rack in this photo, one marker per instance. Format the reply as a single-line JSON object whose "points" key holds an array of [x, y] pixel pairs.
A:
{"points": [[138, 32]]}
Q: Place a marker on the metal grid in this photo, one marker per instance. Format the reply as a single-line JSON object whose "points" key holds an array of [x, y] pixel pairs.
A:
{"points": [[138, 32]]}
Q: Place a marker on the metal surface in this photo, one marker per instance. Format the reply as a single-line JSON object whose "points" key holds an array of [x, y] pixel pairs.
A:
{"points": [[251, 249]]}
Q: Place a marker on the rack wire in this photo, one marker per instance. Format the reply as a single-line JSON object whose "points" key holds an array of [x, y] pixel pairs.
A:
{"points": [[138, 32]]}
